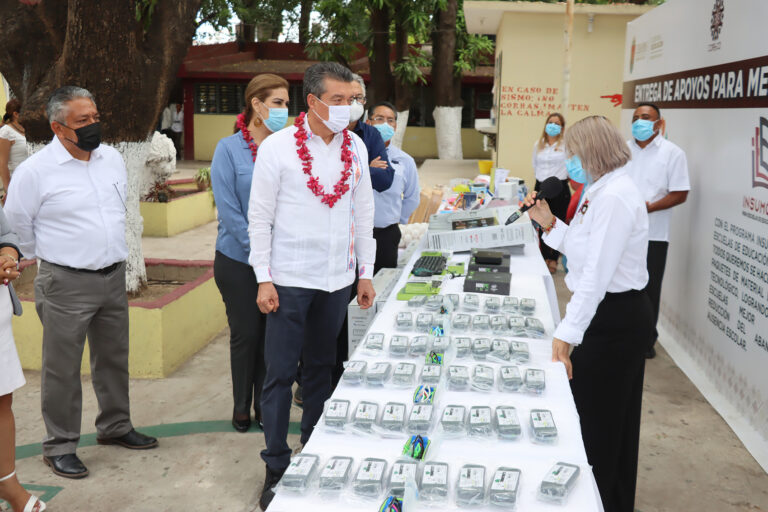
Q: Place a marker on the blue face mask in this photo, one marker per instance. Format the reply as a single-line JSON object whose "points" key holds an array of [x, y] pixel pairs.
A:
{"points": [[575, 171], [386, 131], [642, 129], [276, 120], [553, 129]]}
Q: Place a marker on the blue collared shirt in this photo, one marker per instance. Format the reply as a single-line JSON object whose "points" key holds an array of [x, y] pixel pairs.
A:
{"points": [[398, 202], [381, 179], [231, 176]]}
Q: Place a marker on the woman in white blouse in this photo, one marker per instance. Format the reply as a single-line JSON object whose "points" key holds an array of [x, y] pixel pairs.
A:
{"points": [[13, 143], [609, 318], [548, 161]]}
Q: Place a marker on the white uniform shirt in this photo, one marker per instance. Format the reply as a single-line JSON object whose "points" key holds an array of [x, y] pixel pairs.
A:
{"points": [[549, 161], [177, 121], [658, 169], [19, 151], [606, 246], [67, 211], [295, 239]]}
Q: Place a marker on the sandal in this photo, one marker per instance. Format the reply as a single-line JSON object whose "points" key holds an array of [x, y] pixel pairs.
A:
{"points": [[34, 504]]}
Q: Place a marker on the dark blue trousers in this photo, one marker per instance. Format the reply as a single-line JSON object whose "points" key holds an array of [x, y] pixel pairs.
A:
{"points": [[307, 322]]}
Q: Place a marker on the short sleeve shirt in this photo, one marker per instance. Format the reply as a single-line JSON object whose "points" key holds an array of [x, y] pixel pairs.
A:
{"points": [[19, 151]]}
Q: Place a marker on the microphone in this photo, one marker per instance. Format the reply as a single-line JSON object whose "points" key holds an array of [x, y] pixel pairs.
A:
{"points": [[550, 188]]}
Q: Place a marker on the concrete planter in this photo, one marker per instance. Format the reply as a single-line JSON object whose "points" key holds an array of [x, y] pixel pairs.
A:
{"points": [[180, 213], [164, 333]]}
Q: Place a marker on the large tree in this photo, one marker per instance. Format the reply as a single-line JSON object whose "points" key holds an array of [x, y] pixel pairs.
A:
{"points": [[126, 52]]}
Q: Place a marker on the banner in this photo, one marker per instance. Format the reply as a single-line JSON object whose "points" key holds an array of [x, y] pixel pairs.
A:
{"points": [[705, 64]]}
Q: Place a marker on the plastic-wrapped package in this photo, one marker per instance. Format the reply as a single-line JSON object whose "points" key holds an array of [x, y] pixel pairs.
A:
{"points": [[517, 326], [440, 344], [424, 394], [493, 305], [557, 484], [418, 346], [455, 299], [510, 378], [336, 414], [299, 473], [398, 345], [374, 343], [453, 420], [420, 419], [434, 303], [354, 372], [369, 480], [471, 302], [504, 486], [482, 378], [434, 486], [535, 327], [417, 301], [431, 373], [393, 417], [528, 306], [378, 374], [335, 474], [481, 347], [404, 321], [458, 377], [519, 351], [499, 350], [480, 423], [416, 447], [470, 487], [535, 380], [424, 321], [365, 416], [507, 422], [404, 374], [402, 471], [543, 426], [461, 322], [510, 305], [481, 324], [463, 346], [499, 324]]}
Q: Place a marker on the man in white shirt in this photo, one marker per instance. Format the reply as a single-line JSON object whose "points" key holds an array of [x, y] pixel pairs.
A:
{"points": [[177, 128], [310, 224], [660, 170], [67, 205]]}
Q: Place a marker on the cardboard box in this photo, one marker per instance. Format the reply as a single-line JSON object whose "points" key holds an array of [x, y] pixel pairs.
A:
{"points": [[481, 238], [359, 320]]}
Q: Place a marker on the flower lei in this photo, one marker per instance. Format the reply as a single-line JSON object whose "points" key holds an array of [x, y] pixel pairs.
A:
{"points": [[341, 187], [247, 135]]}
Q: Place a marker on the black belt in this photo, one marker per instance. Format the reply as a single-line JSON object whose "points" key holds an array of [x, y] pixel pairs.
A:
{"points": [[105, 270]]}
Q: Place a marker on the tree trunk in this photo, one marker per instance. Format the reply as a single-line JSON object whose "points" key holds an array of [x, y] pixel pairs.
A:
{"points": [[128, 65], [446, 87], [403, 91], [306, 10], [382, 83]]}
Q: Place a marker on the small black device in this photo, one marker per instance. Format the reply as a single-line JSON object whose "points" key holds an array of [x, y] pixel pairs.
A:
{"points": [[496, 283], [429, 265], [488, 257], [489, 261]]}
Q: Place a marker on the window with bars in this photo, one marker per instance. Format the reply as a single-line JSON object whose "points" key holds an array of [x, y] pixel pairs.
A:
{"points": [[220, 98]]}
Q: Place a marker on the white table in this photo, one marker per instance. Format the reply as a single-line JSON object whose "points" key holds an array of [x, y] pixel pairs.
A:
{"points": [[529, 279]]}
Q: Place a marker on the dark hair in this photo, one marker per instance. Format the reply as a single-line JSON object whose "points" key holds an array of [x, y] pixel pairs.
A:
{"points": [[387, 104], [12, 107], [261, 86], [315, 75], [654, 107]]}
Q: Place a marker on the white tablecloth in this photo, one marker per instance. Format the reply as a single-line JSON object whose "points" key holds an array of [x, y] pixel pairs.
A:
{"points": [[530, 278]]}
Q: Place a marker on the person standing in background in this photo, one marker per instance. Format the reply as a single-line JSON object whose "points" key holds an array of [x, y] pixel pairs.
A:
{"points": [[548, 161], [660, 170], [266, 111], [177, 128], [13, 144], [166, 121]]}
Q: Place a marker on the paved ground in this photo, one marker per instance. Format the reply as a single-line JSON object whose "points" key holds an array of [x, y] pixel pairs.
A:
{"points": [[689, 460]]}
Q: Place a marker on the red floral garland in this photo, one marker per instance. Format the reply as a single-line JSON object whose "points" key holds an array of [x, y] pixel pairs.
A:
{"points": [[341, 187], [247, 135]]}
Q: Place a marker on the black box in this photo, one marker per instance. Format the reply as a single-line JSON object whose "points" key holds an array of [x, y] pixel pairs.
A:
{"points": [[487, 267], [487, 282]]}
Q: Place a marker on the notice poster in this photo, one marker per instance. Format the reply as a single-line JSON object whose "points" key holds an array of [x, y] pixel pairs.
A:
{"points": [[709, 76]]}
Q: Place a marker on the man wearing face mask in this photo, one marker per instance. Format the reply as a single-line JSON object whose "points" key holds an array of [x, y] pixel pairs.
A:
{"points": [[69, 212], [395, 205], [660, 170], [382, 173], [310, 223]]}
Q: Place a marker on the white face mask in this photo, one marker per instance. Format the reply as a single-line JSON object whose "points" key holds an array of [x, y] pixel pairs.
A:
{"points": [[356, 111], [338, 116]]}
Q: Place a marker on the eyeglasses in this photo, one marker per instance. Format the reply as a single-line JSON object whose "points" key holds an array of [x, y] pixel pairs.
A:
{"points": [[360, 99], [382, 119]]}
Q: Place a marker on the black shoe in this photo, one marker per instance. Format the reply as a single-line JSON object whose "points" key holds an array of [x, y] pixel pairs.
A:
{"points": [[241, 425], [68, 466], [270, 481], [257, 417], [651, 353], [298, 396], [132, 440]]}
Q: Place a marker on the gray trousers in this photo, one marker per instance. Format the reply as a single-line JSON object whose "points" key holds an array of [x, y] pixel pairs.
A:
{"points": [[71, 305]]}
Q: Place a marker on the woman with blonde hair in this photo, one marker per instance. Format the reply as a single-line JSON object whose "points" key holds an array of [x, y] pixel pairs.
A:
{"points": [[609, 319], [266, 111], [548, 161]]}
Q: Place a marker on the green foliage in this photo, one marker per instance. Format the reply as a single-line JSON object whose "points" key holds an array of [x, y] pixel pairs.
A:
{"points": [[144, 11], [215, 12], [345, 23], [273, 12], [471, 49], [409, 70]]}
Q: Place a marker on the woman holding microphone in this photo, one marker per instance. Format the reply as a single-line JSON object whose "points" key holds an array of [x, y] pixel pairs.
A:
{"points": [[548, 161], [609, 318]]}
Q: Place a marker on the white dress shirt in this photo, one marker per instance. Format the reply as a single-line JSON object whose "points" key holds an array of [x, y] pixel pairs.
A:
{"points": [[658, 169], [295, 239], [67, 211], [19, 151], [549, 161], [606, 247]]}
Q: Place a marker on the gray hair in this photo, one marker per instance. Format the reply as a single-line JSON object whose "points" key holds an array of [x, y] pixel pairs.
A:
{"points": [[315, 75], [599, 145], [359, 80], [57, 108]]}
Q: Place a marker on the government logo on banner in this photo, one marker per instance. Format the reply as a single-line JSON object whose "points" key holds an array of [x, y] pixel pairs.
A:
{"points": [[760, 155]]}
